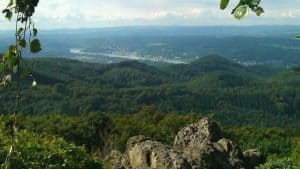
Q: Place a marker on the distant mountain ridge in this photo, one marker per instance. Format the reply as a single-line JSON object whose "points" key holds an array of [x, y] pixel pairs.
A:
{"points": [[247, 45], [207, 64], [209, 84]]}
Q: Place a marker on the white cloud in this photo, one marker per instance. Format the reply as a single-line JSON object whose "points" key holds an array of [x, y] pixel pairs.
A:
{"points": [[99, 13], [289, 14]]}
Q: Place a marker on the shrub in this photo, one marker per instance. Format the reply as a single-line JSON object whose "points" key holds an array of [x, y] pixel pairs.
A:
{"points": [[278, 163], [42, 151]]}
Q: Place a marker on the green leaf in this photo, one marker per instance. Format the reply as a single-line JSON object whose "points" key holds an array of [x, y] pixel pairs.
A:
{"points": [[11, 3], [34, 31], [6, 56], [35, 46], [254, 2], [22, 43], [20, 31], [13, 61], [259, 11], [11, 57], [13, 49], [240, 12], [8, 14], [298, 37], [224, 4]]}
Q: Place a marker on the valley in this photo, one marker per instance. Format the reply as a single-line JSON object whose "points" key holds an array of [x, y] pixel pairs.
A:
{"points": [[98, 89], [252, 45], [211, 84]]}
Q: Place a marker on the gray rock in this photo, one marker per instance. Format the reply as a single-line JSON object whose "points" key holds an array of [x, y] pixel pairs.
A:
{"points": [[201, 144], [197, 146], [203, 131], [126, 162], [113, 160], [253, 158], [205, 156], [232, 151], [147, 154]]}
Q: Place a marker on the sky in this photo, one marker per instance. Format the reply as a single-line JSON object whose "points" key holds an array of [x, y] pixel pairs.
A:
{"points": [[75, 14]]}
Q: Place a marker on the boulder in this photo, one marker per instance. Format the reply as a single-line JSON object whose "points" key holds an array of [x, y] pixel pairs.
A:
{"points": [[232, 151], [253, 158], [203, 147], [205, 156], [113, 160], [197, 146], [201, 132], [142, 153]]}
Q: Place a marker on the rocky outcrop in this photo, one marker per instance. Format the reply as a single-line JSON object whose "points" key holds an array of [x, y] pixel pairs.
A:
{"points": [[142, 153], [114, 160], [253, 158], [197, 146], [201, 144]]}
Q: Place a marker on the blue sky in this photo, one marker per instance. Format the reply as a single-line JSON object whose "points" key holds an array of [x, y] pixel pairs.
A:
{"points": [[56, 14]]}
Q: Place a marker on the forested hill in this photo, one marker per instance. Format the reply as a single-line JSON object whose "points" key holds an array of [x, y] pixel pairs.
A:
{"points": [[234, 93]]}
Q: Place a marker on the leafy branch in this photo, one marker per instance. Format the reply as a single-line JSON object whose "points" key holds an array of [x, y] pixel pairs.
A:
{"points": [[12, 65], [242, 9]]}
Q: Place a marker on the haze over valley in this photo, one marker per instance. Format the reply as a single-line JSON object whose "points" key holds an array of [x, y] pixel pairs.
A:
{"points": [[247, 45]]}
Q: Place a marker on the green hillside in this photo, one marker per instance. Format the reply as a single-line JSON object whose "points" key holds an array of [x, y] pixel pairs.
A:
{"points": [[288, 78], [93, 108], [220, 79], [211, 84], [215, 63]]}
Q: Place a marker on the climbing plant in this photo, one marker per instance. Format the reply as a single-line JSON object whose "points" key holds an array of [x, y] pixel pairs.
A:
{"points": [[12, 65], [243, 7]]}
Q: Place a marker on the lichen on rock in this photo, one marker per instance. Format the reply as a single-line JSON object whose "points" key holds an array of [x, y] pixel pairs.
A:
{"points": [[197, 146]]}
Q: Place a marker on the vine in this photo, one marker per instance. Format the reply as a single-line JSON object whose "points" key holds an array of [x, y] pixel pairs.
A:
{"points": [[12, 64], [242, 8]]}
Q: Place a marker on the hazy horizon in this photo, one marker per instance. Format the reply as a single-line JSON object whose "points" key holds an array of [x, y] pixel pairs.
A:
{"points": [[74, 14], [160, 26]]}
